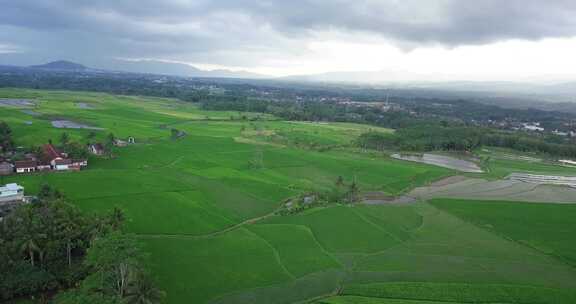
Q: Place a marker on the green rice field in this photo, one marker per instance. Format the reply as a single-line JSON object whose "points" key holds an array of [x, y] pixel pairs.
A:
{"points": [[207, 215]]}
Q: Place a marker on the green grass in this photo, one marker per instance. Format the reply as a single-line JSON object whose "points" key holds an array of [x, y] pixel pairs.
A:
{"points": [[198, 270], [185, 197], [547, 227], [338, 229], [297, 248], [464, 293], [309, 287], [446, 249], [307, 134], [367, 300]]}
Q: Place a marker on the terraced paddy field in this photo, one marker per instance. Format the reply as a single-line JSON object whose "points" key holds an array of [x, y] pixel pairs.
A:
{"points": [[206, 213]]}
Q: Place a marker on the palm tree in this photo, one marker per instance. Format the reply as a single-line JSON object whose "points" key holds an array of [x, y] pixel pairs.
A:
{"points": [[353, 191], [31, 236], [143, 291], [29, 247]]}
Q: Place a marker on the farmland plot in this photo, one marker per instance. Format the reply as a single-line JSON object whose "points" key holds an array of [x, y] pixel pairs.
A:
{"points": [[205, 210]]}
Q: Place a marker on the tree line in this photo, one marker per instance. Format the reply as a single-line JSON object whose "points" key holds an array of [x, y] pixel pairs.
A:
{"points": [[314, 111], [439, 137]]}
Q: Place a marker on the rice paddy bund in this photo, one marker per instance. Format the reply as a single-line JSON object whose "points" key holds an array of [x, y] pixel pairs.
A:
{"points": [[206, 212]]}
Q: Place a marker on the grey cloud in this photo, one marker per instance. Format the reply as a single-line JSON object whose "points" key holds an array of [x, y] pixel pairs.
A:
{"points": [[240, 32]]}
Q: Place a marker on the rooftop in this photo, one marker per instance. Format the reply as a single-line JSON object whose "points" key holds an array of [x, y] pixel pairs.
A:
{"points": [[63, 162], [25, 164], [10, 189], [50, 151]]}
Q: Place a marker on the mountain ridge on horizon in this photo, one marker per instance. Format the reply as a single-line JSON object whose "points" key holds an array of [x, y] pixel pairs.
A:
{"points": [[155, 67], [148, 67]]}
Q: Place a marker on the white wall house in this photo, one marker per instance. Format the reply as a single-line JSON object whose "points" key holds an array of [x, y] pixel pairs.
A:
{"points": [[60, 164], [25, 166], [11, 193]]}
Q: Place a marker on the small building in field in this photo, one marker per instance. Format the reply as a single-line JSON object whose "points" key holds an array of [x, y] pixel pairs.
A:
{"points": [[123, 143], [43, 166], [61, 164], [96, 149], [11, 196], [78, 164], [6, 169], [120, 143], [25, 166], [11, 193]]}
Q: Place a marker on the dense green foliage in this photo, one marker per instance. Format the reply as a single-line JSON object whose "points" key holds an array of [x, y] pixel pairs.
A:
{"points": [[50, 245], [117, 274], [6, 142], [315, 111], [444, 137], [42, 245]]}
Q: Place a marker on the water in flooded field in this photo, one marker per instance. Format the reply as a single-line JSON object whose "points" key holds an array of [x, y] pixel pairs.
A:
{"points": [[442, 161]]}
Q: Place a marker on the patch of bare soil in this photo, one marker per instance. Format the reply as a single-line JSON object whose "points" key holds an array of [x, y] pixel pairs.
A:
{"points": [[380, 198], [19, 103], [448, 181], [83, 105], [66, 124], [445, 161]]}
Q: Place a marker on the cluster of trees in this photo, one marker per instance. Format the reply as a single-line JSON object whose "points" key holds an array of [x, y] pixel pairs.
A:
{"points": [[115, 83], [340, 193], [74, 149], [49, 245], [314, 111], [425, 137], [459, 137], [6, 142], [542, 144], [117, 274]]}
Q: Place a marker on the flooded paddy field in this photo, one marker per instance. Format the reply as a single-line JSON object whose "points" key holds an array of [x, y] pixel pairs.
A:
{"points": [[19, 103], [67, 124], [442, 161], [512, 189]]}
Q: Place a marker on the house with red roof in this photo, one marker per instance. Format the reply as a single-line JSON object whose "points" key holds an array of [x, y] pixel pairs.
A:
{"points": [[59, 161], [25, 166]]}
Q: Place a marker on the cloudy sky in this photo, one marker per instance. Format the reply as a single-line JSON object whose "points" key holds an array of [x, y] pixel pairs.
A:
{"points": [[443, 39]]}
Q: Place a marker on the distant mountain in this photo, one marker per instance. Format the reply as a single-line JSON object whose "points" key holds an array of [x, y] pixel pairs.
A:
{"points": [[60, 65], [148, 67], [177, 69]]}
